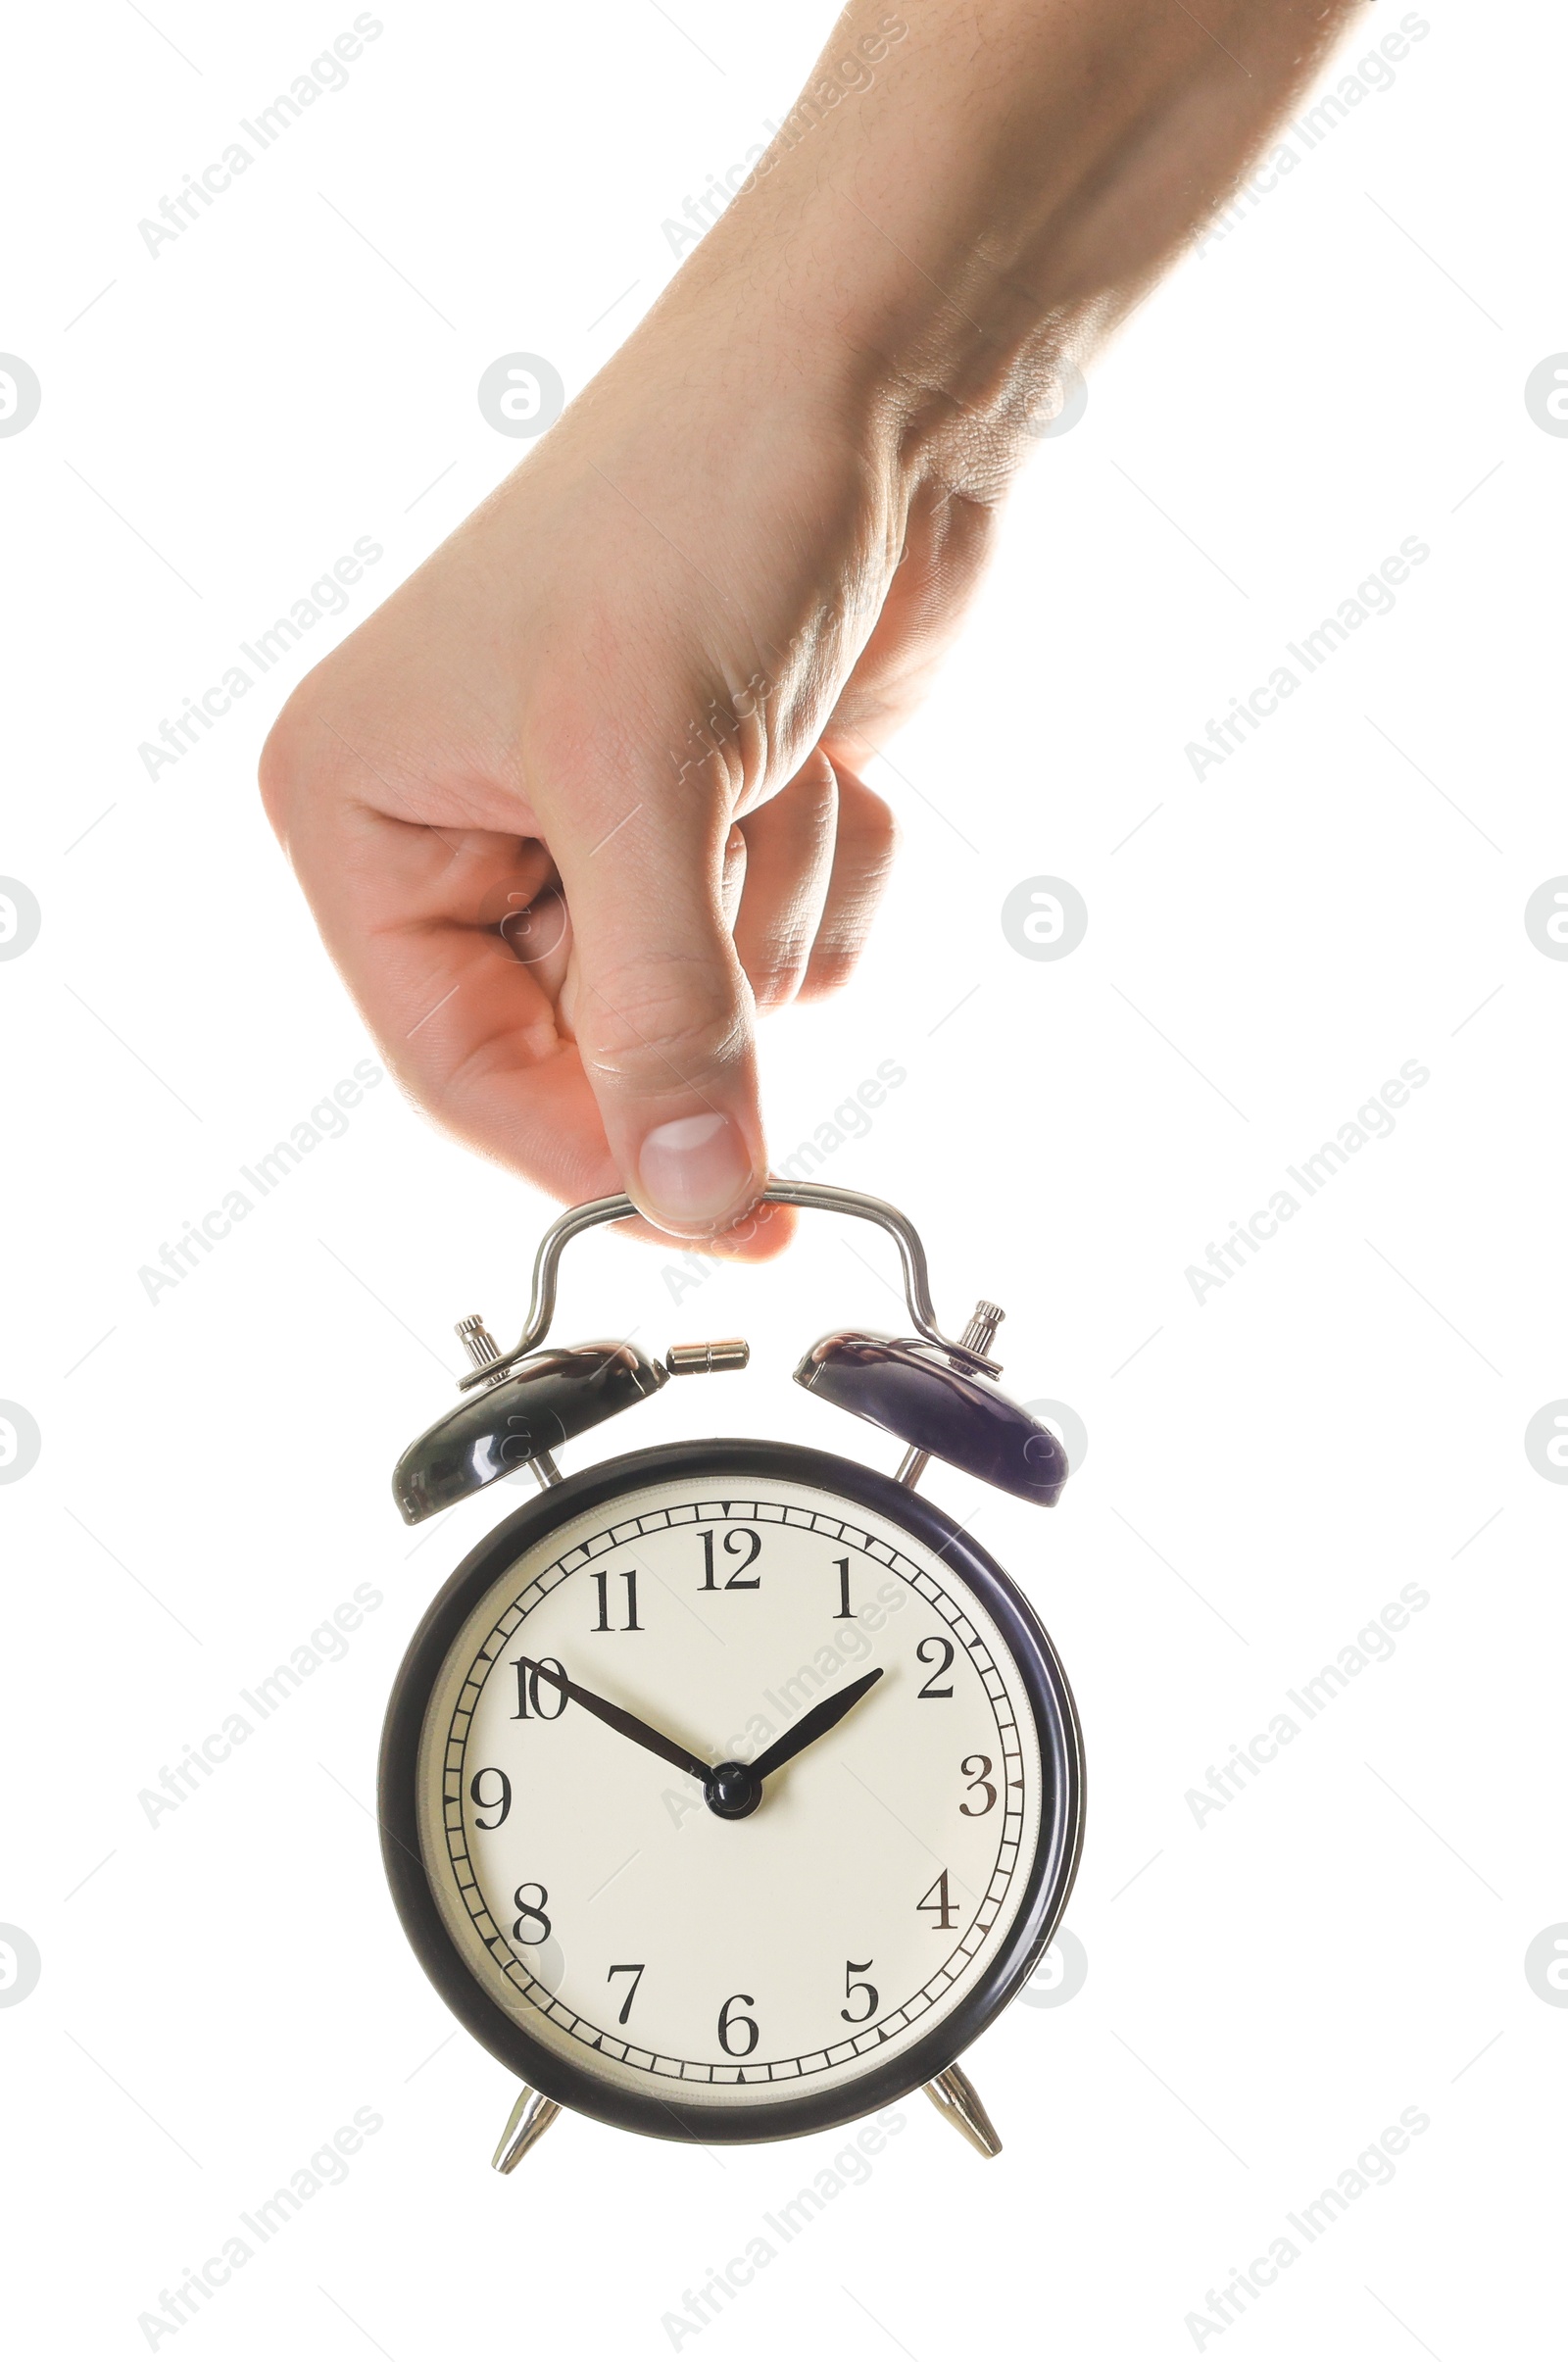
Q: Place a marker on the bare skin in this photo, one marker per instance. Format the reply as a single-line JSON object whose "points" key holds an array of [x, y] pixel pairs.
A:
{"points": [[585, 794]]}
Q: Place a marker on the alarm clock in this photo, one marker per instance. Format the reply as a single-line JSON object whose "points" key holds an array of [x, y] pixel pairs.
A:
{"points": [[730, 1789]]}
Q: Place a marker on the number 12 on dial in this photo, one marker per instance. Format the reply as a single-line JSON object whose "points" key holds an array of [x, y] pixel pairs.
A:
{"points": [[663, 1703]]}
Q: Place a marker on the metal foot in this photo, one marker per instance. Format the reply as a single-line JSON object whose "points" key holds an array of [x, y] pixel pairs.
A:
{"points": [[961, 2104], [533, 2115]]}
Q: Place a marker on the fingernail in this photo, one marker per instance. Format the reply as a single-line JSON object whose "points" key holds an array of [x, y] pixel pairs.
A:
{"points": [[696, 1173]]}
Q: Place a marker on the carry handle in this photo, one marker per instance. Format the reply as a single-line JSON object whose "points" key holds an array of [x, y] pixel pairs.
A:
{"points": [[818, 1194]]}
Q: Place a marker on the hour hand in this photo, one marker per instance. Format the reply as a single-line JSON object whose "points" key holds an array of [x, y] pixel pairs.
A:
{"points": [[629, 1726], [821, 1718]]}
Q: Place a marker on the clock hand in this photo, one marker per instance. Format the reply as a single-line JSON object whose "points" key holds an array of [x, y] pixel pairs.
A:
{"points": [[823, 1716], [627, 1724]]}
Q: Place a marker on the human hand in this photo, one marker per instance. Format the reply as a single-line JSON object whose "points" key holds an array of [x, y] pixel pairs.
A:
{"points": [[585, 794]]}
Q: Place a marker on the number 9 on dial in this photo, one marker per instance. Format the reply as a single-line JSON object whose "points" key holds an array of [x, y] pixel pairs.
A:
{"points": [[729, 1789]]}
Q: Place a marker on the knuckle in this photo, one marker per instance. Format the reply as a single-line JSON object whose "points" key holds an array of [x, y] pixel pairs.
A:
{"points": [[276, 771], [288, 756]]}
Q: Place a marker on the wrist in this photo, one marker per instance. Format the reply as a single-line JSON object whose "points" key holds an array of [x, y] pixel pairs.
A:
{"points": [[961, 199], [891, 263]]}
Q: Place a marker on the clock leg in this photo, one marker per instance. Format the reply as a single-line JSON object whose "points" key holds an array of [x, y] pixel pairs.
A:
{"points": [[961, 2104], [533, 2115]]}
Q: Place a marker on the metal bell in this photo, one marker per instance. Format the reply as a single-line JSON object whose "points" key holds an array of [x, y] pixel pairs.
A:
{"points": [[938, 1406], [519, 1420]]}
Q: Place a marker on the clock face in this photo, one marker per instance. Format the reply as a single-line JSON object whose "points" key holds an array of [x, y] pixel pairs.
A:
{"points": [[888, 1881]]}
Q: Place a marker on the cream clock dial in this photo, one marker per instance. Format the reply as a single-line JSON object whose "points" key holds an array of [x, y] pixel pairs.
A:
{"points": [[729, 1791]]}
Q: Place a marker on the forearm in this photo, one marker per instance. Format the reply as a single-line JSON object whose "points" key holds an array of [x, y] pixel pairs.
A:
{"points": [[652, 667], [998, 184]]}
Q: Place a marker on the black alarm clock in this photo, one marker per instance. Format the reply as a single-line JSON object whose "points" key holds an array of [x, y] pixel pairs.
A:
{"points": [[729, 1789]]}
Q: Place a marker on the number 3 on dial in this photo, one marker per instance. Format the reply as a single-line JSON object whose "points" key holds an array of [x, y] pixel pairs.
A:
{"points": [[604, 1919]]}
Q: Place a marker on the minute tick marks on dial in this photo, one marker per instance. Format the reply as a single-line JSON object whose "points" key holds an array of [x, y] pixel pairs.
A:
{"points": [[895, 1889], [711, 1918]]}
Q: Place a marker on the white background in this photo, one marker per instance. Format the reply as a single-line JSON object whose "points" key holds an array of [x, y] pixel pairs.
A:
{"points": [[1267, 1468]]}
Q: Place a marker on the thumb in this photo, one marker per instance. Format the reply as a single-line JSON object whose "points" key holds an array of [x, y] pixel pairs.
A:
{"points": [[664, 1016]]}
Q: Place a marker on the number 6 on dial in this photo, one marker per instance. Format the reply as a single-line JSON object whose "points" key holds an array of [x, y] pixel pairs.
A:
{"points": [[680, 1691]]}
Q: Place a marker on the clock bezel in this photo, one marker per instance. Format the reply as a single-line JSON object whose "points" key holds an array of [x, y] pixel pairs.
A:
{"points": [[1047, 1887]]}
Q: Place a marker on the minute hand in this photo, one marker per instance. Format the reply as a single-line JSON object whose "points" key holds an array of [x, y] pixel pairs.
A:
{"points": [[821, 1718], [628, 1725]]}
